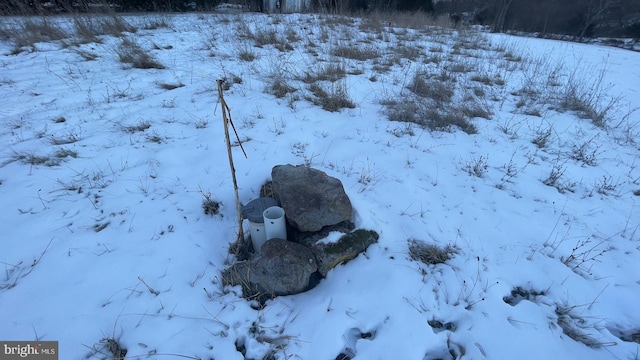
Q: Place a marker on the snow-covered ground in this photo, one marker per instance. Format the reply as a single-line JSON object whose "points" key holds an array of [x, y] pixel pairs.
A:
{"points": [[105, 169]]}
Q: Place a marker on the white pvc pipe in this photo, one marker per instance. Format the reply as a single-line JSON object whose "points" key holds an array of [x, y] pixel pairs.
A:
{"points": [[258, 235], [274, 223]]}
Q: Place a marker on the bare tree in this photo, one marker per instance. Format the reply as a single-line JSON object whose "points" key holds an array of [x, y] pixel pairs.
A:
{"points": [[501, 15], [594, 12]]}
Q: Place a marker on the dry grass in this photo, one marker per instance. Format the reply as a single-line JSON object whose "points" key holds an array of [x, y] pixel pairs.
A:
{"points": [[423, 86], [156, 22], [70, 138], [86, 29], [279, 87], [447, 119], [65, 153], [575, 327], [519, 293], [30, 31], [430, 254], [560, 88], [266, 36], [356, 52], [86, 55], [404, 19], [30, 158], [325, 72], [333, 99], [114, 348], [132, 54], [416, 110], [140, 127], [408, 52], [115, 25], [170, 86], [246, 54]]}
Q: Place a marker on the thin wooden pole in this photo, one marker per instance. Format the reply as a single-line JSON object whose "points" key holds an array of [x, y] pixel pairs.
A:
{"points": [[226, 118]]}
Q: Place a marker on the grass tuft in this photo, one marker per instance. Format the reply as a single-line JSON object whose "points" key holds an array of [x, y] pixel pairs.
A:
{"points": [[424, 114], [355, 52], [131, 53], [326, 72], [574, 326], [247, 54], [156, 22], [210, 206], [279, 87], [430, 254], [170, 86], [333, 99], [30, 158], [64, 140], [519, 293], [440, 91], [31, 31], [140, 127]]}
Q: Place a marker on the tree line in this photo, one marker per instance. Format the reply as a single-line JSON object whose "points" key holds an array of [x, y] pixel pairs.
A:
{"points": [[62, 6], [579, 18]]}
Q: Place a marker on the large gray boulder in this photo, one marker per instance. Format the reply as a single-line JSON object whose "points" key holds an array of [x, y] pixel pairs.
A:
{"points": [[280, 268], [310, 198]]}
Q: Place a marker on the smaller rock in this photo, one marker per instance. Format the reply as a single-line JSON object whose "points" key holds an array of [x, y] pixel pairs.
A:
{"points": [[346, 248], [280, 268]]}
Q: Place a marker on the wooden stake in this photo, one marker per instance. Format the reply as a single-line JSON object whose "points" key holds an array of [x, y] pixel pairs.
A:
{"points": [[226, 118]]}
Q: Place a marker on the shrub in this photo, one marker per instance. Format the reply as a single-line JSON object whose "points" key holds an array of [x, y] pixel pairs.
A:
{"points": [[542, 137], [477, 167], [587, 152]]}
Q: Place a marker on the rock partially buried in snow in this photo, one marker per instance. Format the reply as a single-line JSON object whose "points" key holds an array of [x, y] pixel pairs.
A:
{"points": [[310, 198], [330, 254], [280, 268]]}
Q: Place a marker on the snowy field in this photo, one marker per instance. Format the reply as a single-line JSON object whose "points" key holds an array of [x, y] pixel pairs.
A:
{"points": [[105, 168]]}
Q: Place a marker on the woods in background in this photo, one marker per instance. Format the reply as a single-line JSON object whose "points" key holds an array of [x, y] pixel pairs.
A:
{"points": [[579, 18]]}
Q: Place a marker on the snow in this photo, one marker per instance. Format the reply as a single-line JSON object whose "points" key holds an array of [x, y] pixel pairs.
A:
{"points": [[114, 243], [333, 237]]}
